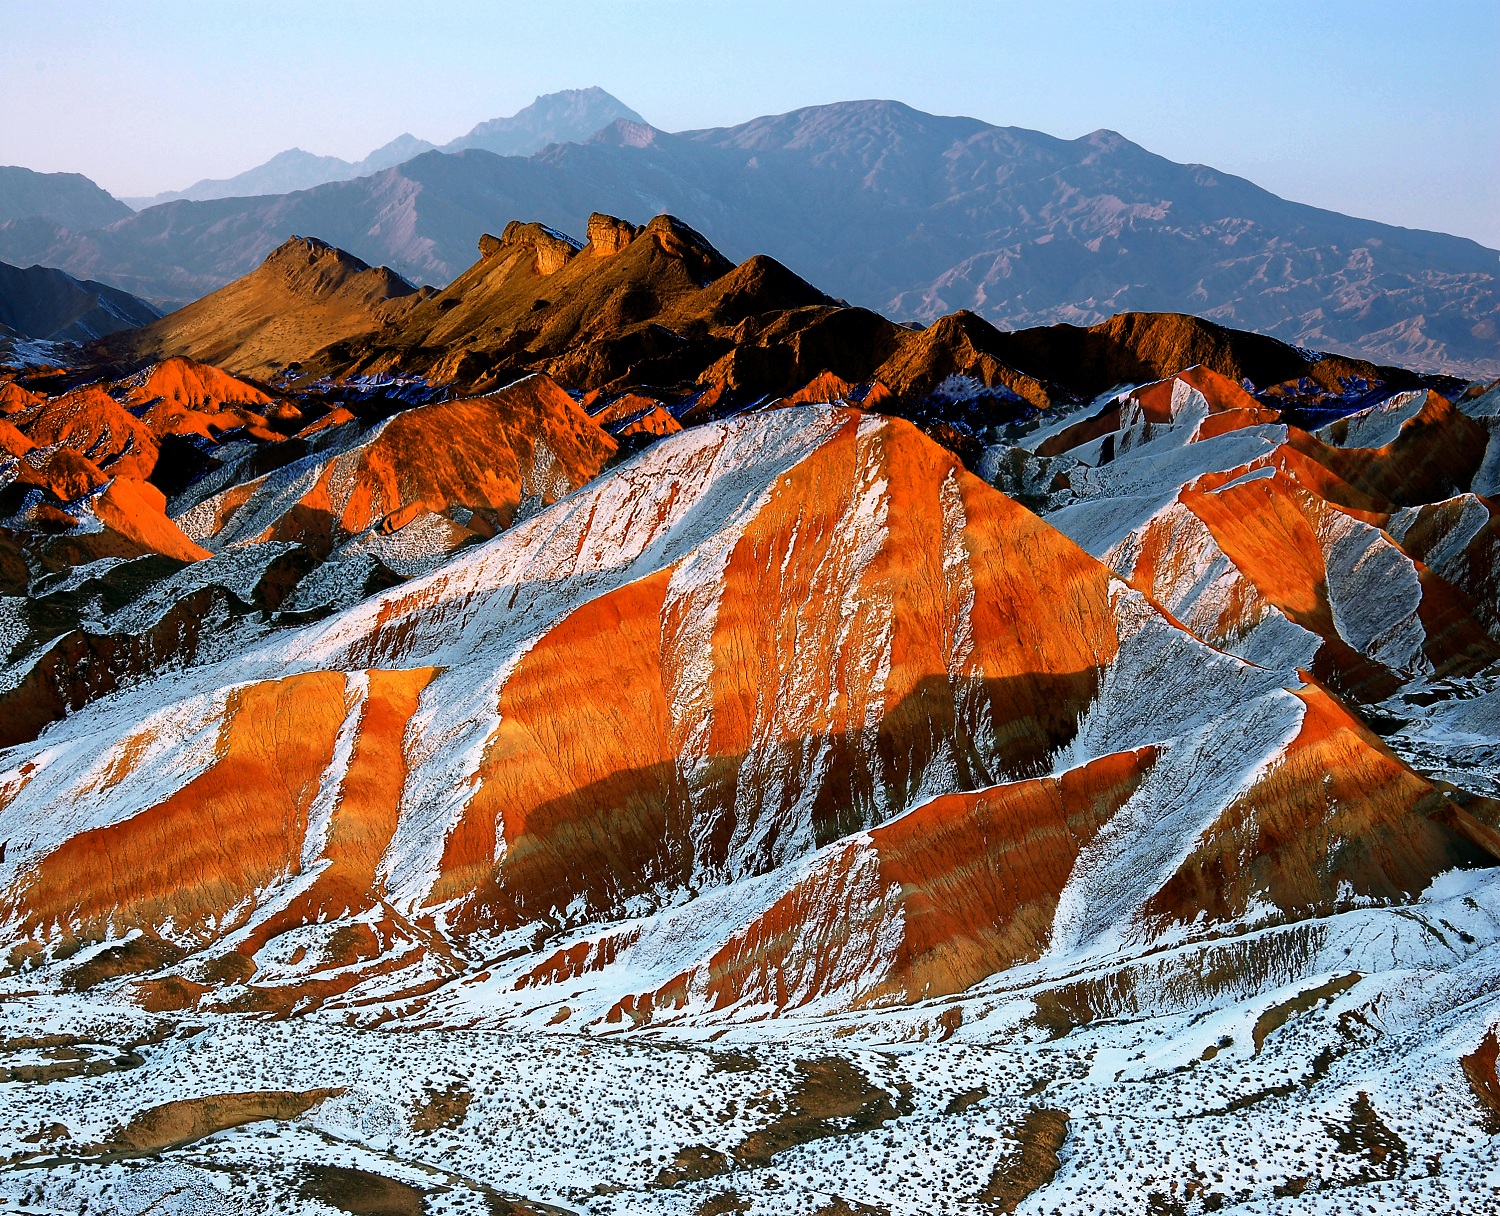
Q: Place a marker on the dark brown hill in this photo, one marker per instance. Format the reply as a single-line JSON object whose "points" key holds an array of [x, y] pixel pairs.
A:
{"points": [[1137, 347], [659, 310], [303, 297], [660, 307], [40, 302]]}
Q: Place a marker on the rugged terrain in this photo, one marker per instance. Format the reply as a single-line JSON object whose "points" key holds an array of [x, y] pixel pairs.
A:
{"points": [[635, 733], [39, 304], [656, 319], [911, 214]]}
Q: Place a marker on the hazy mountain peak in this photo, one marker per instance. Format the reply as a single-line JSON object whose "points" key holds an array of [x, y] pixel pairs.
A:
{"points": [[295, 157], [69, 199], [568, 116], [403, 147], [571, 115], [842, 125], [292, 170], [1105, 140], [623, 133]]}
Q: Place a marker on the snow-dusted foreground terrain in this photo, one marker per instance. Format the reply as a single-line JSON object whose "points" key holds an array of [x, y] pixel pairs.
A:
{"points": [[1312, 1069]]}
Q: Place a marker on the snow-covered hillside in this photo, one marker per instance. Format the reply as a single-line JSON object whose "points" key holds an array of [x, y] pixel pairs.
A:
{"points": [[787, 820]]}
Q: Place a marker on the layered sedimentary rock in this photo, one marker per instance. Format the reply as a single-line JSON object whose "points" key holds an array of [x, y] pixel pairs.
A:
{"points": [[795, 693], [1284, 545]]}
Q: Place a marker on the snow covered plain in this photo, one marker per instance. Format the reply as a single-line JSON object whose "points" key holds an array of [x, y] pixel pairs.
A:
{"points": [[1311, 1069]]}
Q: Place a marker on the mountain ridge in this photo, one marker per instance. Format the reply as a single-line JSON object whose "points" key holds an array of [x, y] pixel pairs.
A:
{"points": [[70, 200], [658, 310], [289, 171], [910, 214], [551, 118]]}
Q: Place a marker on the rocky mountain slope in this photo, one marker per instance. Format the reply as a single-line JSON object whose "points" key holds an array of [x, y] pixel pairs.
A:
{"points": [[68, 200], [47, 305], [576, 757], [304, 297], [906, 213], [567, 116], [900, 631], [654, 329]]}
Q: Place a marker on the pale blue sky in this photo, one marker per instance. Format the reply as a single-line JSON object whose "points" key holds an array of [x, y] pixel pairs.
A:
{"points": [[1388, 110]]}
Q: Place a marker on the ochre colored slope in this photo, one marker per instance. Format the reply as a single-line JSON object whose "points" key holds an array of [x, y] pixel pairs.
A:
{"points": [[305, 296], [1222, 394], [195, 866], [970, 637], [12, 442], [358, 831], [211, 846], [1138, 347], [1337, 817], [1435, 455], [964, 345], [14, 398], [1230, 408], [477, 458], [634, 414], [138, 511], [180, 396], [1443, 535], [577, 790], [193, 386], [953, 891], [94, 425]]}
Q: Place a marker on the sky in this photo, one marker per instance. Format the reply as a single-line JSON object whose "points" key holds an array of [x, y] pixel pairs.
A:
{"points": [[1383, 110]]}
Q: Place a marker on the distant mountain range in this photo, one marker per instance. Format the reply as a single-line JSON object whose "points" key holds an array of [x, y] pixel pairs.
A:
{"points": [[291, 170], [907, 213], [573, 114]]}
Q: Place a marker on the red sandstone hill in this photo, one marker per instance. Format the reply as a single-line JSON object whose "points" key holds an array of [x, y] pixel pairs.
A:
{"points": [[316, 494], [472, 462], [790, 711], [343, 506], [1364, 547]]}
